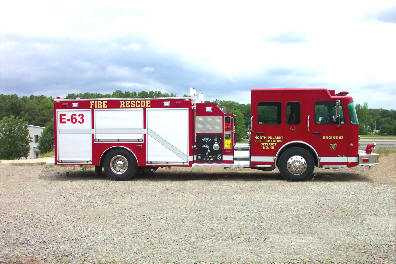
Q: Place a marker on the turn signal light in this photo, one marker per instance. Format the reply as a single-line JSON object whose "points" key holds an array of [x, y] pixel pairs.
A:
{"points": [[227, 143]]}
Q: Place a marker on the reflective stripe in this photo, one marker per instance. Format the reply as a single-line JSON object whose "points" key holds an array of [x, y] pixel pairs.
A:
{"points": [[262, 159], [228, 157], [338, 159]]}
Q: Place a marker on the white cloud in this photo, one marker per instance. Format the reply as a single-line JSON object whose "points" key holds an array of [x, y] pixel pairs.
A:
{"points": [[148, 69], [133, 46], [237, 41], [115, 70]]}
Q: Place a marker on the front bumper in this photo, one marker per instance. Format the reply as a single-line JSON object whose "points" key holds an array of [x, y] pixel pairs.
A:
{"points": [[368, 159]]}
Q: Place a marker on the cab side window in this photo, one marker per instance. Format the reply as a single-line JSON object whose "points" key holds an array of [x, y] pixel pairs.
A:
{"points": [[293, 113], [269, 113], [325, 113]]}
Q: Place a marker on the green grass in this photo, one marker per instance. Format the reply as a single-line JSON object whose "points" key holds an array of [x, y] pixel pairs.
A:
{"points": [[47, 155], [378, 137], [384, 152]]}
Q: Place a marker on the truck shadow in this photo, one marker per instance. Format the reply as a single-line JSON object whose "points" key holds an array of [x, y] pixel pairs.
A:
{"points": [[209, 176], [340, 177], [191, 175]]}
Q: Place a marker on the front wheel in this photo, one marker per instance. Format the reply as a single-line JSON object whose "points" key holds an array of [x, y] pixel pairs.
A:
{"points": [[296, 164], [120, 165]]}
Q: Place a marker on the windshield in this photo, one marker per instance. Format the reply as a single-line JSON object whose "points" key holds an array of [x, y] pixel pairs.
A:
{"points": [[352, 113]]}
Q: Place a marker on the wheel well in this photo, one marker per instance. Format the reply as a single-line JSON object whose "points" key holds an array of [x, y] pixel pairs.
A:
{"points": [[298, 145], [112, 148]]}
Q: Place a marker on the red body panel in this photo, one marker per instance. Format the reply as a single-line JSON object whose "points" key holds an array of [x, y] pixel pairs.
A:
{"points": [[67, 116]]}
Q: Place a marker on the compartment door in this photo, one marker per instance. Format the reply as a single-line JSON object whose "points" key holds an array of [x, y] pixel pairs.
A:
{"points": [[74, 141], [167, 136]]}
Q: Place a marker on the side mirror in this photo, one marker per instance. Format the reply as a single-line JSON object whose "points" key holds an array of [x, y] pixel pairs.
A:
{"points": [[337, 115]]}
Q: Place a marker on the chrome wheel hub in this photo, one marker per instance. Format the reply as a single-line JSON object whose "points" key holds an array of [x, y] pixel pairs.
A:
{"points": [[296, 165], [119, 164]]}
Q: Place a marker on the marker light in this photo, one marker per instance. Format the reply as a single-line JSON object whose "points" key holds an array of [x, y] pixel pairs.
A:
{"points": [[227, 123], [227, 141]]}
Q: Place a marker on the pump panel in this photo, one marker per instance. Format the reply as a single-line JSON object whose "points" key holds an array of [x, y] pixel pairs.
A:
{"points": [[209, 148]]}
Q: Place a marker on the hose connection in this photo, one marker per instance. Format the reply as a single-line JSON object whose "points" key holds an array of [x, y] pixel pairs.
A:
{"points": [[370, 147]]}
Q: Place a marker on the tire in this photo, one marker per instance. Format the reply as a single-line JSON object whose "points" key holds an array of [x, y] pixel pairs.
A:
{"points": [[98, 170], [296, 164], [120, 165]]}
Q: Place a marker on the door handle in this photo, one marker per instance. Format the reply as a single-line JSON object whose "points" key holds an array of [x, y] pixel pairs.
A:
{"points": [[317, 133], [260, 132], [293, 128]]}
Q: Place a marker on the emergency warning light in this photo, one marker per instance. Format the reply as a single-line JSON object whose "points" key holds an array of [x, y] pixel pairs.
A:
{"points": [[227, 132]]}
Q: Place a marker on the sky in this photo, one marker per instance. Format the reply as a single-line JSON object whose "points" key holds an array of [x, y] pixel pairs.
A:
{"points": [[220, 48]]}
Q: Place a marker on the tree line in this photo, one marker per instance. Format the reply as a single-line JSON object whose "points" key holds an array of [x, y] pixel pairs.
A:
{"points": [[18, 112], [376, 120]]}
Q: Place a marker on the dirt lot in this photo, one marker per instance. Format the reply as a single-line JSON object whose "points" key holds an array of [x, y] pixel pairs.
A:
{"points": [[67, 214]]}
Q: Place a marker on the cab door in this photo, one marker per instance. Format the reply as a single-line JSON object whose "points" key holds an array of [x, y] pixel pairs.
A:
{"points": [[296, 113], [328, 132], [267, 126]]}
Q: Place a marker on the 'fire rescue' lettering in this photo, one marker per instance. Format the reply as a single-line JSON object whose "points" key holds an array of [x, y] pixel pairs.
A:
{"points": [[98, 104], [135, 104]]}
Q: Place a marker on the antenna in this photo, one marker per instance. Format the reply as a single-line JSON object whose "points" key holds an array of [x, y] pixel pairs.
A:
{"points": [[201, 98], [193, 92]]}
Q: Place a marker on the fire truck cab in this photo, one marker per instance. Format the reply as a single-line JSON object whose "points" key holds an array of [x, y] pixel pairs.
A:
{"points": [[298, 129], [292, 129]]}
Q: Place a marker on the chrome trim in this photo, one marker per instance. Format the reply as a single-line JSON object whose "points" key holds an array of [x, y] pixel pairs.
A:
{"points": [[333, 159], [228, 157], [262, 159], [74, 131], [296, 165], [334, 166]]}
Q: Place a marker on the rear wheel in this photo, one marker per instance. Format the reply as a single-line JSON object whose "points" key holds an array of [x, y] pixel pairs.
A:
{"points": [[120, 165], [98, 170], [296, 164]]}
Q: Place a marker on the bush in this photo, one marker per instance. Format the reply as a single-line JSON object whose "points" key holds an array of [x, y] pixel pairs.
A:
{"points": [[46, 140], [14, 138]]}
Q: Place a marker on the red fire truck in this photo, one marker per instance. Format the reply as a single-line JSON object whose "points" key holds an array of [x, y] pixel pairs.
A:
{"points": [[291, 129]]}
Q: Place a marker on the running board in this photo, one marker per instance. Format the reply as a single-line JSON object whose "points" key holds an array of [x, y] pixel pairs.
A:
{"points": [[237, 164]]}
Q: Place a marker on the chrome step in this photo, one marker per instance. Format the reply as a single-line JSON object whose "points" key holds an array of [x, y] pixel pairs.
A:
{"points": [[242, 146], [241, 155]]}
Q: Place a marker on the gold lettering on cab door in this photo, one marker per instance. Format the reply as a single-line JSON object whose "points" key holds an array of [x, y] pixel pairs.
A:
{"points": [[333, 137], [268, 142]]}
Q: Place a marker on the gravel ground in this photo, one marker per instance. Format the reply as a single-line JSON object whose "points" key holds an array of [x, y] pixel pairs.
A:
{"points": [[185, 215]]}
